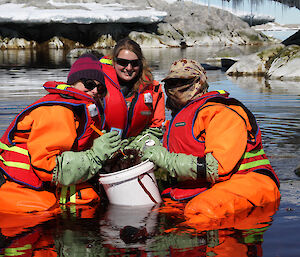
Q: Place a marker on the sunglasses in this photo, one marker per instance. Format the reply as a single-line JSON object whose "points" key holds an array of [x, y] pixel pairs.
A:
{"points": [[125, 62], [175, 83], [90, 84]]}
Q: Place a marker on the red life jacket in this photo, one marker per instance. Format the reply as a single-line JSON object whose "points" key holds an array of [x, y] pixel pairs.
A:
{"points": [[14, 158], [115, 107], [130, 121], [179, 137]]}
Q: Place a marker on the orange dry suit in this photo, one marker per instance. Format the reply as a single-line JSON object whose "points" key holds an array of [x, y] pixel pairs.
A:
{"points": [[58, 122], [145, 108], [224, 127]]}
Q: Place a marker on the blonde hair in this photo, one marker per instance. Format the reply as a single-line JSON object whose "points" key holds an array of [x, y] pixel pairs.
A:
{"points": [[144, 76]]}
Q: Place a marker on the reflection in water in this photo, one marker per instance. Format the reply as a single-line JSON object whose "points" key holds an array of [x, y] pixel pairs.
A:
{"points": [[124, 225], [142, 232]]}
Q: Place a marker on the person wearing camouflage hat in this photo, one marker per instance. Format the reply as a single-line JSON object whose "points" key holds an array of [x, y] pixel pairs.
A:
{"points": [[185, 82], [213, 146]]}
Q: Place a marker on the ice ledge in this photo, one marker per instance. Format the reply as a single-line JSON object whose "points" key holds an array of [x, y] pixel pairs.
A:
{"points": [[86, 13]]}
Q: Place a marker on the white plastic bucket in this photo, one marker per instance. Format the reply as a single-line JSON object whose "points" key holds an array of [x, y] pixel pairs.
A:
{"points": [[133, 186]]}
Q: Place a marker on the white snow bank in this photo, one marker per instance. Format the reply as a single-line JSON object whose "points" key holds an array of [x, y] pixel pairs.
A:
{"points": [[82, 13]]}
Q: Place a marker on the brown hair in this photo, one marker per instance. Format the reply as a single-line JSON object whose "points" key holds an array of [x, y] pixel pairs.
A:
{"points": [[145, 76]]}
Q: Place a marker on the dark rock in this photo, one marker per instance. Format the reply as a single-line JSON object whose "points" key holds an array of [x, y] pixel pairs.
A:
{"points": [[293, 39], [297, 171], [226, 63]]}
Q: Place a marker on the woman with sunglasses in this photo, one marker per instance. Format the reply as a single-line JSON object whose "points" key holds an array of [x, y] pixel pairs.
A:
{"points": [[51, 149], [135, 102]]}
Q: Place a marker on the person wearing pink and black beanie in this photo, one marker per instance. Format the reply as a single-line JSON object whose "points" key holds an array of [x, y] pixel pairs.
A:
{"points": [[50, 151]]}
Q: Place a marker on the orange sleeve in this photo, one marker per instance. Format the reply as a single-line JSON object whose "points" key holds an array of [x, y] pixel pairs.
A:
{"points": [[225, 134], [53, 131], [158, 106]]}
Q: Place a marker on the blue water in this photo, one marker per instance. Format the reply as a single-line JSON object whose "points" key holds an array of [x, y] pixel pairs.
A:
{"points": [[281, 35]]}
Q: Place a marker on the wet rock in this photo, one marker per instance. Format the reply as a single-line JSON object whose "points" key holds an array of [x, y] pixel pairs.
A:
{"points": [[16, 43], [293, 39], [249, 65], [297, 171], [286, 64], [105, 41], [276, 62]]}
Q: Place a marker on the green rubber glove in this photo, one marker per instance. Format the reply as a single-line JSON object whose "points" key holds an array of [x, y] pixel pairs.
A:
{"points": [[77, 167], [124, 143], [139, 142], [183, 165], [178, 164], [157, 132]]}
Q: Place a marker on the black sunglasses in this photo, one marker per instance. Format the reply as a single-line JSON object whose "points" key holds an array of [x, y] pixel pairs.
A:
{"points": [[173, 83], [91, 84], [125, 62]]}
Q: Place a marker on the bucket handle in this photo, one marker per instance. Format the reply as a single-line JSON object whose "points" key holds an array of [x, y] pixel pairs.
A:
{"points": [[144, 188]]}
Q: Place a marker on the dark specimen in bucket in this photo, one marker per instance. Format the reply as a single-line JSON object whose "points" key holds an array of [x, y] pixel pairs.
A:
{"points": [[122, 160]]}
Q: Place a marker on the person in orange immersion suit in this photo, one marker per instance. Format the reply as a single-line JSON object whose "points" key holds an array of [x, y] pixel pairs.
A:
{"points": [[135, 102], [213, 146], [51, 149]]}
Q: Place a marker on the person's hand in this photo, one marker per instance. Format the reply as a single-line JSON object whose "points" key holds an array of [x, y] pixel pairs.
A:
{"points": [[177, 164], [139, 142], [77, 167], [105, 145], [157, 132], [156, 154], [124, 143]]}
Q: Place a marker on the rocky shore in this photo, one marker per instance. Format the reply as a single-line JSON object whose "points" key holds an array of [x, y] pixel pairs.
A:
{"points": [[156, 24], [75, 25]]}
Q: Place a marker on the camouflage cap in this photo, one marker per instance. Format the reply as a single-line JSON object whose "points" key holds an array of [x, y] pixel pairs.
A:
{"points": [[186, 69]]}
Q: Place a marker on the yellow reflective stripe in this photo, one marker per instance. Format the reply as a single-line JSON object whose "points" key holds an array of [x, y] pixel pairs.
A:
{"points": [[63, 195], [14, 251], [73, 209], [253, 164], [106, 61], [254, 153], [72, 194], [15, 164], [62, 86], [13, 149], [221, 91]]}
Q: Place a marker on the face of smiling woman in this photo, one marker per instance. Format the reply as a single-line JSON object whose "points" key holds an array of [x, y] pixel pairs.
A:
{"points": [[130, 71]]}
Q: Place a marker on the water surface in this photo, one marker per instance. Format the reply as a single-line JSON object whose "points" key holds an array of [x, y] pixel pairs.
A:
{"points": [[108, 230]]}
